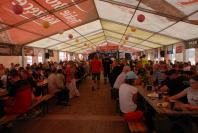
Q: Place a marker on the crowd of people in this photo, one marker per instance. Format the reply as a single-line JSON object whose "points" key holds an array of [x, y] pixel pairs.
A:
{"points": [[22, 83], [178, 79]]}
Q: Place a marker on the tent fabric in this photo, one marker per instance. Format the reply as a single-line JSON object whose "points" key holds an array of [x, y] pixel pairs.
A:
{"points": [[94, 23]]}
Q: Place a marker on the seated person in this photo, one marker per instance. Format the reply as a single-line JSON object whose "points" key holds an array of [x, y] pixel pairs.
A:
{"points": [[191, 93], [174, 84], [192, 96], [20, 95], [127, 94], [120, 80]]}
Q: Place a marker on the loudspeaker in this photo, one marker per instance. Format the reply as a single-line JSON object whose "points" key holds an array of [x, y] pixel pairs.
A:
{"points": [[162, 53], [128, 56], [46, 55]]}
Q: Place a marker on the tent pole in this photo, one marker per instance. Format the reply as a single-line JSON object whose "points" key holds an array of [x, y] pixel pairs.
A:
{"points": [[23, 57]]}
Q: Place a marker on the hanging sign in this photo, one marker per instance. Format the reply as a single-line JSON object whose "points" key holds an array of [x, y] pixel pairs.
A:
{"points": [[28, 51], [192, 44], [108, 48]]}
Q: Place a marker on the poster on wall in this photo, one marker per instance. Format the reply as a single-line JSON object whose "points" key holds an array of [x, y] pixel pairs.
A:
{"points": [[28, 51], [170, 49], [179, 49], [156, 53]]}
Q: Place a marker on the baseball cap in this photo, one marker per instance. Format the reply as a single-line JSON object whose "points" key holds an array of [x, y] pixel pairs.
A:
{"points": [[131, 75]]}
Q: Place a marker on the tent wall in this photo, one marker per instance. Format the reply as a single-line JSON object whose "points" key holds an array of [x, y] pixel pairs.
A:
{"points": [[196, 55], [7, 60]]}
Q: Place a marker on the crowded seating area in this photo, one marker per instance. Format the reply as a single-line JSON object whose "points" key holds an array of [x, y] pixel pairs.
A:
{"points": [[99, 66]]}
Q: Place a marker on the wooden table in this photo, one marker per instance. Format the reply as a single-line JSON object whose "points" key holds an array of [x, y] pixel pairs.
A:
{"points": [[166, 111], [43, 86], [43, 83]]}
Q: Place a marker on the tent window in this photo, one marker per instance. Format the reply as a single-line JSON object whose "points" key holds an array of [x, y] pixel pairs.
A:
{"points": [[40, 58], [190, 55], [61, 56], [29, 60]]}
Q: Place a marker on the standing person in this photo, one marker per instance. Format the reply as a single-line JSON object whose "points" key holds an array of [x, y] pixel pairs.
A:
{"points": [[106, 62], [71, 81], [96, 65], [63, 94]]}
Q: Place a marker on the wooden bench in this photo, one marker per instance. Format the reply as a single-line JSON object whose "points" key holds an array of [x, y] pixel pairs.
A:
{"points": [[43, 103], [137, 127]]}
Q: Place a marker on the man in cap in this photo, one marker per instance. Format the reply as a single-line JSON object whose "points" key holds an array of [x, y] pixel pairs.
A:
{"points": [[120, 80], [127, 94]]}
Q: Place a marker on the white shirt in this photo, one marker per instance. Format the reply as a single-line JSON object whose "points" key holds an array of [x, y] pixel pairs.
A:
{"points": [[120, 80], [126, 96], [4, 81], [192, 95], [53, 83]]}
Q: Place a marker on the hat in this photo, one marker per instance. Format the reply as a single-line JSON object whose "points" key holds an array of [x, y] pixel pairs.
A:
{"points": [[131, 75]]}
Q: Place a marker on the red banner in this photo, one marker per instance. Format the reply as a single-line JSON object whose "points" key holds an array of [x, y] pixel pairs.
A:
{"points": [[107, 48], [30, 22]]}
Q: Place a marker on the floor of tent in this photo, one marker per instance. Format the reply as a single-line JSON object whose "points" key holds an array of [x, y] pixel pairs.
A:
{"points": [[92, 112]]}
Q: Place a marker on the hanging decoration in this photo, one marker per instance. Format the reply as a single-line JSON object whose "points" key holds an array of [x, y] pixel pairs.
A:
{"points": [[70, 36], [18, 9], [77, 40], [46, 25], [126, 38], [140, 17], [133, 29]]}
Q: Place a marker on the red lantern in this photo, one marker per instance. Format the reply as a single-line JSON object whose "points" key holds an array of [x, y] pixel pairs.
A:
{"points": [[17, 9], [140, 17], [70, 36], [46, 24], [126, 37]]}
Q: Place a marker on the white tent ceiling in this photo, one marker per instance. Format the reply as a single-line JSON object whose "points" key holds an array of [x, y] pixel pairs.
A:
{"points": [[97, 22]]}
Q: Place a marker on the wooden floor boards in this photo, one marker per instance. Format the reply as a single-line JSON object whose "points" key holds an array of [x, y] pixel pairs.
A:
{"points": [[92, 112]]}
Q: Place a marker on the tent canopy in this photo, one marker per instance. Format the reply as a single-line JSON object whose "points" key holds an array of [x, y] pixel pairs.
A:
{"points": [[80, 25]]}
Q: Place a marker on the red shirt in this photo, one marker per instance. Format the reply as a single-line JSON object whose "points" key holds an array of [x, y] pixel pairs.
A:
{"points": [[23, 101], [96, 66]]}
